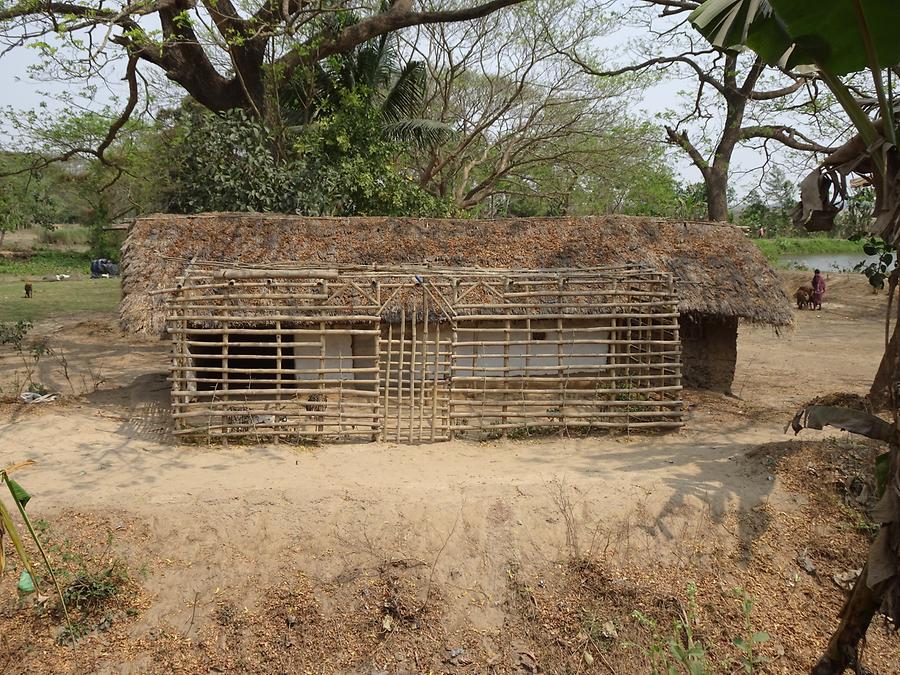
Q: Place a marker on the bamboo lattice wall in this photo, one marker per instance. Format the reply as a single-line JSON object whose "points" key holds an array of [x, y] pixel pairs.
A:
{"points": [[421, 354]]}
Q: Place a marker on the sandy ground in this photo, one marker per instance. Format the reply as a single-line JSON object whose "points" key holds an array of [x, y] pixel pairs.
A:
{"points": [[208, 521]]}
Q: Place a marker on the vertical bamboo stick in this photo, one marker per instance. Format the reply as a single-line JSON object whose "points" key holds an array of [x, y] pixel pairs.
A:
{"points": [[280, 367], [412, 374], [454, 338], [528, 341], [424, 365], [559, 359], [400, 371], [562, 388], [434, 385], [386, 392], [507, 379], [322, 405], [378, 401]]}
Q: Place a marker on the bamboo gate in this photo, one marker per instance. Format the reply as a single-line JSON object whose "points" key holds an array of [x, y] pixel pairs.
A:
{"points": [[421, 354]]}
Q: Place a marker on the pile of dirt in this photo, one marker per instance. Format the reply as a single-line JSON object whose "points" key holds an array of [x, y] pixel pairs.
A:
{"points": [[845, 399]]}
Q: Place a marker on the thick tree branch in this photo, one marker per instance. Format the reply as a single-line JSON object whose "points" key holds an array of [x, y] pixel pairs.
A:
{"points": [[785, 135], [398, 16], [681, 140]]}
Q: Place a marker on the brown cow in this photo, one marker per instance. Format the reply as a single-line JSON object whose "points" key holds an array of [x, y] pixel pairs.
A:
{"points": [[804, 297]]}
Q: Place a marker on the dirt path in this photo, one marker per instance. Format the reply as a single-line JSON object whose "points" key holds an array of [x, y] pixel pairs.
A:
{"points": [[204, 522]]}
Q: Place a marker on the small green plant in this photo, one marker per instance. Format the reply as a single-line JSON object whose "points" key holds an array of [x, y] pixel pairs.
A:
{"points": [[751, 640], [680, 651]]}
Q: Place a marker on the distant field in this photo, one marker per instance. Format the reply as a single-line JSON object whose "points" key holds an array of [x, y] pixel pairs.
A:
{"points": [[41, 263], [70, 237], [63, 236], [775, 248], [57, 298]]}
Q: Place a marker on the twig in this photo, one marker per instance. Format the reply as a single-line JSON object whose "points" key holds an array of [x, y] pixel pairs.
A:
{"points": [[438, 557], [193, 613]]}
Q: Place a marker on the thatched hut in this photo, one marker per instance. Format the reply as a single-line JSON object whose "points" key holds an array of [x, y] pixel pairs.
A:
{"points": [[416, 329], [721, 277]]}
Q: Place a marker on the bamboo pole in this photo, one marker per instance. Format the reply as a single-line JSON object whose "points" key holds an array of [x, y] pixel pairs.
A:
{"points": [[506, 335], [249, 273], [412, 374], [400, 371], [434, 385]]}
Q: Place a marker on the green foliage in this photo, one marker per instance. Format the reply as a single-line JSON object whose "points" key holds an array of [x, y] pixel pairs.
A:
{"points": [[856, 218], [26, 199], [344, 125], [680, 651], [770, 209], [339, 165], [13, 333], [876, 271]]}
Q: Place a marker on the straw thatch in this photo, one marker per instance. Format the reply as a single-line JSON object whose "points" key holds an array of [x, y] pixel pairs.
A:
{"points": [[717, 269]]}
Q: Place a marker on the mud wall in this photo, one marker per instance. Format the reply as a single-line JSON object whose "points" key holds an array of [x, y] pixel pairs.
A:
{"points": [[709, 351]]}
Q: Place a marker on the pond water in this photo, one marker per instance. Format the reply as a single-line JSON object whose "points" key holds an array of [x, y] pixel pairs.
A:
{"points": [[827, 262]]}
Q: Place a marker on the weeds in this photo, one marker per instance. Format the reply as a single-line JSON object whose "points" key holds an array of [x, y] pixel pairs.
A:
{"points": [[89, 590], [72, 632]]}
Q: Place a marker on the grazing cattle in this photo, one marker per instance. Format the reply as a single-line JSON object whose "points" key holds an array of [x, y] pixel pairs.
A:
{"points": [[29, 289], [804, 297]]}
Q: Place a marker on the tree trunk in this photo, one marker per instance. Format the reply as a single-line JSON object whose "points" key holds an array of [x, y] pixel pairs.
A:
{"points": [[856, 616], [716, 194]]}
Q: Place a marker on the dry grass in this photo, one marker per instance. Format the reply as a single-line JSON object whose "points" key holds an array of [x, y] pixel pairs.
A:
{"points": [[719, 271]]}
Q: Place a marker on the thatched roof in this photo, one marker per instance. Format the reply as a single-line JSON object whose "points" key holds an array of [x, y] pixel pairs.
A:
{"points": [[718, 270]]}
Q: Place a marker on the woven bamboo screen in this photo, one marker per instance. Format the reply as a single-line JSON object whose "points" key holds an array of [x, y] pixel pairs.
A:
{"points": [[421, 354]]}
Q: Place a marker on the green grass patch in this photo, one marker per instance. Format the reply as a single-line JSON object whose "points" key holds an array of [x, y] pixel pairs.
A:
{"points": [[57, 298], [773, 249], [40, 263]]}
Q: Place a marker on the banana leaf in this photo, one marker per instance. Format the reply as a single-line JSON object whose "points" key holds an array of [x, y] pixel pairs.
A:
{"points": [[792, 33], [854, 421]]}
